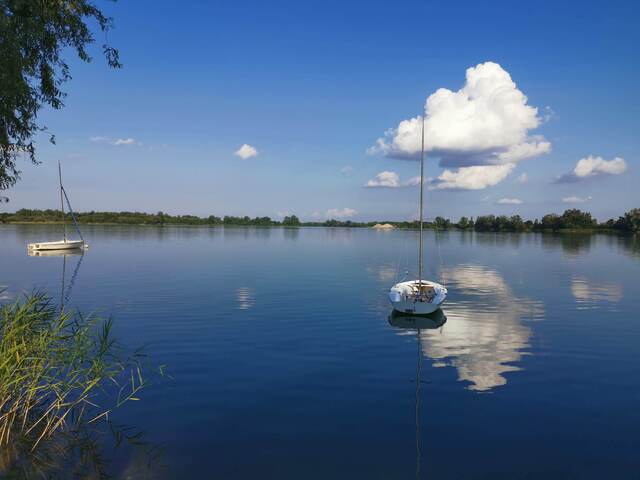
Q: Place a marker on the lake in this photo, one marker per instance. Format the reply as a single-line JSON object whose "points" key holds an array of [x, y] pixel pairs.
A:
{"points": [[284, 361]]}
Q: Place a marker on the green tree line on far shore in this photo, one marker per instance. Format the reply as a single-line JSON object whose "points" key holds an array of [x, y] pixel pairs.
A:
{"points": [[572, 219]]}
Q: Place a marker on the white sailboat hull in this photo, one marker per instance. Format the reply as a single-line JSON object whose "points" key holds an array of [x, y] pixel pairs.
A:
{"points": [[406, 297], [60, 245]]}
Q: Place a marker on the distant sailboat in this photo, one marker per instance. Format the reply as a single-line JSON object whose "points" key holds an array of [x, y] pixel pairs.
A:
{"points": [[65, 243], [418, 297]]}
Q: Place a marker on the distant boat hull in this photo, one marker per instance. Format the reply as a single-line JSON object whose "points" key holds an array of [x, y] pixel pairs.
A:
{"points": [[60, 245], [406, 297]]}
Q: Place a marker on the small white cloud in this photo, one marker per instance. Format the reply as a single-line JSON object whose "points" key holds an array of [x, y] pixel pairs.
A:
{"points": [[246, 151], [125, 141], [548, 114], [472, 178], [340, 213], [415, 181], [576, 199], [346, 169], [591, 166], [522, 178], [509, 201], [587, 167], [389, 179], [384, 179], [117, 142]]}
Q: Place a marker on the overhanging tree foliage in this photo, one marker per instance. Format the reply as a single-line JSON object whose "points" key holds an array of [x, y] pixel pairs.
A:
{"points": [[33, 36]]}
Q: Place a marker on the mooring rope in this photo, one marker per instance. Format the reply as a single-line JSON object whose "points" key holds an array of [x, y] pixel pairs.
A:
{"points": [[73, 216], [442, 270], [403, 255]]}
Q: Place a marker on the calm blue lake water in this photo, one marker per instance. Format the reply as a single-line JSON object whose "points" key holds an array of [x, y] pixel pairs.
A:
{"points": [[286, 364]]}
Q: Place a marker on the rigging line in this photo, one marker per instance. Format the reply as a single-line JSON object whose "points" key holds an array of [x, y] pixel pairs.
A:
{"points": [[442, 275], [398, 266], [403, 257], [406, 257], [64, 225], [73, 215]]}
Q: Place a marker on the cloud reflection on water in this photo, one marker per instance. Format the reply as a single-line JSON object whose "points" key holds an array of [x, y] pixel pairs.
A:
{"points": [[245, 297], [484, 335], [587, 294], [384, 273]]}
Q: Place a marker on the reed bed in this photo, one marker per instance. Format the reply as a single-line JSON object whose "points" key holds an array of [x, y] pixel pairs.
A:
{"points": [[59, 371]]}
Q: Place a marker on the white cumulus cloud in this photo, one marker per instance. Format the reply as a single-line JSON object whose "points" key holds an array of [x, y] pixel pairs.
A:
{"points": [[522, 178], [509, 201], [384, 179], [592, 166], [246, 151], [471, 178], [340, 213], [486, 122], [575, 199]]}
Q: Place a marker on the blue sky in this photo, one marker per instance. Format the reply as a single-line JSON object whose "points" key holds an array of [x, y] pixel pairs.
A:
{"points": [[313, 85]]}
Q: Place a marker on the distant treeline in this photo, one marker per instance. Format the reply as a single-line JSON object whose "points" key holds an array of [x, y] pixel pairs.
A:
{"points": [[572, 219]]}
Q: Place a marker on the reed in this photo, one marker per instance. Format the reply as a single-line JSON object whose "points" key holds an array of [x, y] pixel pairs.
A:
{"points": [[59, 371]]}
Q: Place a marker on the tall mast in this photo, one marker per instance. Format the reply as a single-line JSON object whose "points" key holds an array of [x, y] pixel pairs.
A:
{"points": [[64, 227], [421, 196]]}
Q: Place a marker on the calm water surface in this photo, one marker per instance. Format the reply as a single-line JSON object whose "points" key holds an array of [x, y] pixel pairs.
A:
{"points": [[286, 364]]}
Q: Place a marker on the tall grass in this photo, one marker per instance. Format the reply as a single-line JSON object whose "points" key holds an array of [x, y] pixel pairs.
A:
{"points": [[59, 371]]}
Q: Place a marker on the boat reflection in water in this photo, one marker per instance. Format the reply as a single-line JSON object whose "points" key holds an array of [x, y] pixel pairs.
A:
{"points": [[65, 289], [418, 323], [56, 253]]}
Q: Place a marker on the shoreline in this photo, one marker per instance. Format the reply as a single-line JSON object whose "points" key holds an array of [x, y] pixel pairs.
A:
{"points": [[590, 231]]}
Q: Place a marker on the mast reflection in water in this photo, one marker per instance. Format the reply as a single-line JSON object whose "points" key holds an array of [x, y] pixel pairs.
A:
{"points": [[417, 323]]}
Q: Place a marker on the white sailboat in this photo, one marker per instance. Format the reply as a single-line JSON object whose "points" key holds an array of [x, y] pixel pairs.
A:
{"points": [[418, 297], [65, 243]]}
